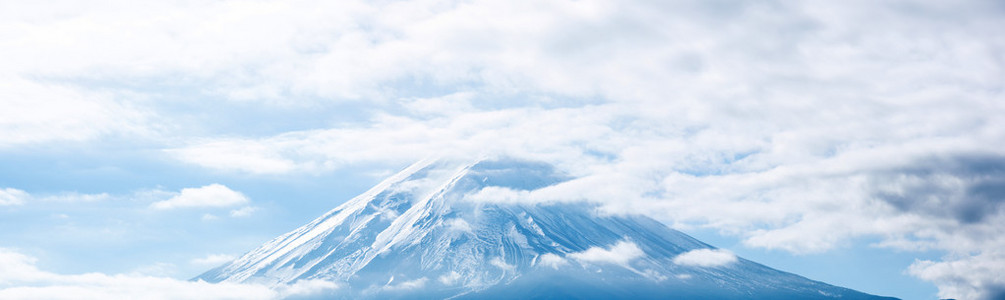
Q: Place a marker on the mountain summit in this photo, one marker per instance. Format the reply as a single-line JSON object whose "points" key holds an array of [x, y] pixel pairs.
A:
{"points": [[434, 231]]}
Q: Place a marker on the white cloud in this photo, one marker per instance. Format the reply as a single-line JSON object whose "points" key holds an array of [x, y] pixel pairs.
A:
{"points": [[458, 224], [76, 197], [235, 155], [551, 260], [36, 112], [157, 269], [976, 277], [21, 279], [621, 253], [963, 275], [18, 267], [306, 288], [810, 114], [11, 196], [705, 258], [408, 285], [213, 195], [243, 212], [450, 278], [500, 263], [542, 133], [212, 260], [813, 126], [452, 104], [499, 194]]}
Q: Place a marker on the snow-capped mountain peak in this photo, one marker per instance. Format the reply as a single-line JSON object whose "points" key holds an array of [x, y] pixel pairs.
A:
{"points": [[425, 233]]}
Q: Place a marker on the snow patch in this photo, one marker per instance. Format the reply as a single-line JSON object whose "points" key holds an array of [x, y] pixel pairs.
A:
{"points": [[533, 226], [705, 258]]}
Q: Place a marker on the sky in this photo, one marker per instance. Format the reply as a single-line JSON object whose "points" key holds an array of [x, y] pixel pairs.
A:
{"points": [[856, 142]]}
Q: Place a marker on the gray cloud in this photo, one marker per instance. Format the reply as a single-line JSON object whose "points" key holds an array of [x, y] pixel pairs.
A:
{"points": [[966, 188]]}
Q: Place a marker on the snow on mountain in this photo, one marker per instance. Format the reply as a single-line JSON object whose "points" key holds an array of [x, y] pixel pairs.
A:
{"points": [[423, 233]]}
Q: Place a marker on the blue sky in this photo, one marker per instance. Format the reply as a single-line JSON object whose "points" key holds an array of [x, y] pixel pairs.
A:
{"points": [[858, 143]]}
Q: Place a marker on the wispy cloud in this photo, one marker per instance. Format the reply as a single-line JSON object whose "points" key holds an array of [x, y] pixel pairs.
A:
{"points": [[213, 195], [213, 259], [705, 258], [406, 285], [11, 196], [243, 211]]}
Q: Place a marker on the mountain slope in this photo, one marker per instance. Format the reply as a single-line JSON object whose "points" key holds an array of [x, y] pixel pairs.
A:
{"points": [[430, 232]]}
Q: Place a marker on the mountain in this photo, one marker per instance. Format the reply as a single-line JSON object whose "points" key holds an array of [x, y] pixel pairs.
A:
{"points": [[446, 229]]}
